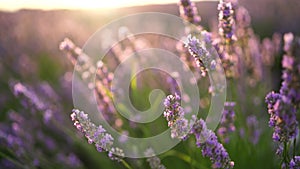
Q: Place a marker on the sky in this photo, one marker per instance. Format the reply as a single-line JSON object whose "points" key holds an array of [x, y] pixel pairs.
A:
{"points": [[12, 5]]}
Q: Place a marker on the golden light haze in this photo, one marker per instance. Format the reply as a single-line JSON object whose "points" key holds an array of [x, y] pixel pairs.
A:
{"points": [[12, 5]]}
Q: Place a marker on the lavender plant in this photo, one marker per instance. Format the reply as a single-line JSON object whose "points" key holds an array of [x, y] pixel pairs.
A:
{"points": [[284, 105], [206, 139], [36, 133], [40, 114]]}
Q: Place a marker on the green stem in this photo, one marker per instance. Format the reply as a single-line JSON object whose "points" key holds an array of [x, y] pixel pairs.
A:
{"points": [[183, 157], [285, 154], [294, 148], [12, 160], [125, 164]]}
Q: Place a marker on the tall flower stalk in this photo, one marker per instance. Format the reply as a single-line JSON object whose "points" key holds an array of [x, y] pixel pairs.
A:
{"points": [[227, 38], [206, 139], [188, 11], [284, 105], [98, 136], [84, 67], [226, 22]]}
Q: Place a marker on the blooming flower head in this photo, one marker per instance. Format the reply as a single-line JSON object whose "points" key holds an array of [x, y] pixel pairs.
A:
{"points": [[73, 51], [173, 110], [282, 117], [226, 22], [207, 141], [188, 11], [200, 52], [97, 135], [291, 64], [295, 163], [283, 105], [174, 114]]}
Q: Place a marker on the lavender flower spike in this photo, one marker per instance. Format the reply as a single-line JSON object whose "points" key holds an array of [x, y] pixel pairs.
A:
{"points": [[282, 117], [97, 135], [207, 141], [188, 12], [174, 114], [205, 138], [200, 53], [226, 22], [283, 106], [295, 163]]}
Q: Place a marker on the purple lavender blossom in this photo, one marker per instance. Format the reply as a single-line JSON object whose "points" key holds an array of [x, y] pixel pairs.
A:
{"points": [[291, 64], [226, 22], [188, 12], [227, 122], [40, 103], [207, 141], [174, 114], [72, 50], [282, 106], [86, 69], [97, 135], [295, 163], [200, 53], [282, 117]]}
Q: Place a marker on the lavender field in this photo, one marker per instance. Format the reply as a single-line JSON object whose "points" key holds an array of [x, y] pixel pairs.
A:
{"points": [[221, 88]]}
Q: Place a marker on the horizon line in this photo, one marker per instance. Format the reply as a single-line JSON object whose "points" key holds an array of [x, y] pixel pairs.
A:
{"points": [[22, 6]]}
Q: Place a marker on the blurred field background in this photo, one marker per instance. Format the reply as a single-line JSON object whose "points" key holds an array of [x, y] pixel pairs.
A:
{"points": [[29, 53]]}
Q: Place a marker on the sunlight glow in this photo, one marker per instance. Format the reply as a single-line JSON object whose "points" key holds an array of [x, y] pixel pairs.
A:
{"points": [[13, 5]]}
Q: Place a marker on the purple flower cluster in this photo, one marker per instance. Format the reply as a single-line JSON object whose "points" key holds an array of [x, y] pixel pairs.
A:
{"points": [[41, 115], [207, 141], [188, 12], [200, 52], [174, 114], [282, 117], [72, 50], [283, 106], [96, 134], [295, 163], [86, 69], [290, 86], [227, 121], [226, 22]]}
